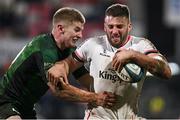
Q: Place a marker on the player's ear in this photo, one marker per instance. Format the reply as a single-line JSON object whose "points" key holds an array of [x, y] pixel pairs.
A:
{"points": [[60, 28], [129, 27], [105, 27]]}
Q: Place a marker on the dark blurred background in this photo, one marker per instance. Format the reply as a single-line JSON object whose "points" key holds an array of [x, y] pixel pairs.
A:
{"points": [[158, 21]]}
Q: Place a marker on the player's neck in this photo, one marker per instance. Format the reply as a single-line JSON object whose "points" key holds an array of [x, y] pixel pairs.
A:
{"points": [[58, 41]]}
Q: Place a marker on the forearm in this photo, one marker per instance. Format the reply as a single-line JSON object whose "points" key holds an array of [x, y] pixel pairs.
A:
{"points": [[72, 93], [158, 67], [65, 65]]}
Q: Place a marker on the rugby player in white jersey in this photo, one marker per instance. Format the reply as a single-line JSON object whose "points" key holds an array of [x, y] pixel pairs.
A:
{"points": [[108, 53]]}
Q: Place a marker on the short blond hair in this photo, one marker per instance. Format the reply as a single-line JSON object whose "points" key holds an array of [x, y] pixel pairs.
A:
{"points": [[68, 14]]}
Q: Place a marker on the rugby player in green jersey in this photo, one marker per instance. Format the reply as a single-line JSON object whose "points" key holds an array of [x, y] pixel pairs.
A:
{"points": [[25, 81]]}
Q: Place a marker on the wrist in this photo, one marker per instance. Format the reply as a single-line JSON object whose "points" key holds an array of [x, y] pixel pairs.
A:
{"points": [[96, 100], [66, 67], [93, 98], [61, 64], [133, 55]]}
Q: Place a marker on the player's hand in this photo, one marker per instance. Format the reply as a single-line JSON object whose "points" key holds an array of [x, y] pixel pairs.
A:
{"points": [[121, 57], [53, 88], [56, 90], [57, 73], [106, 99]]}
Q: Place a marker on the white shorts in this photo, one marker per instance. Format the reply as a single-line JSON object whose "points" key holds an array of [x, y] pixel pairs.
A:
{"points": [[101, 113]]}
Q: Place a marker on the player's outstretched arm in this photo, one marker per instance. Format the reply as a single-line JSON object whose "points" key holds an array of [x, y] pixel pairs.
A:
{"points": [[71, 93]]}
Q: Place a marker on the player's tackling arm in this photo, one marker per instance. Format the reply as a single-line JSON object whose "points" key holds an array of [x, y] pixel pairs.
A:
{"points": [[59, 88], [71, 93], [61, 69]]}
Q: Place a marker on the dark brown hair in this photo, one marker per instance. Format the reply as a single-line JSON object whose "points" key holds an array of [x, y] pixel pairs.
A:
{"points": [[118, 10]]}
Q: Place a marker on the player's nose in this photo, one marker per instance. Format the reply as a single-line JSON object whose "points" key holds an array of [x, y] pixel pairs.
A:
{"points": [[80, 34], [115, 30]]}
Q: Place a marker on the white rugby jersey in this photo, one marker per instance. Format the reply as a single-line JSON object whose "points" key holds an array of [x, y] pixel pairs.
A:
{"points": [[98, 52]]}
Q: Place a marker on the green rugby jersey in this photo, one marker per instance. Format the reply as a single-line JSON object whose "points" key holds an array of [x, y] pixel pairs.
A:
{"points": [[25, 81]]}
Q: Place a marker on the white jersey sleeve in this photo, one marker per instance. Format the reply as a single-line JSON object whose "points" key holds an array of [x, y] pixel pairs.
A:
{"points": [[83, 52]]}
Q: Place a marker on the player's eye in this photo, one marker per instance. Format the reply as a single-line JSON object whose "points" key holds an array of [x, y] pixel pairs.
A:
{"points": [[119, 26], [110, 26], [77, 29]]}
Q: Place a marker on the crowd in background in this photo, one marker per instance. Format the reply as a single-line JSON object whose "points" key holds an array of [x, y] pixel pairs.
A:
{"points": [[27, 18]]}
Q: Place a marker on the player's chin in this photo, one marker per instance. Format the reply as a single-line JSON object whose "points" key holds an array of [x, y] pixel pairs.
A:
{"points": [[116, 43], [72, 45], [116, 40]]}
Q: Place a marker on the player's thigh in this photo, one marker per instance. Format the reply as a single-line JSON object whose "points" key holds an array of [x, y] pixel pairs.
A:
{"points": [[94, 114]]}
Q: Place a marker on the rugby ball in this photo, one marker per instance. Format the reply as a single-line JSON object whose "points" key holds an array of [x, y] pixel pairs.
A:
{"points": [[132, 73]]}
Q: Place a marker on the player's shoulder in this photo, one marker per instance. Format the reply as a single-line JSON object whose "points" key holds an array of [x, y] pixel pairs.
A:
{"points": [[41, 41], [34, 45], [136, 40], [141, 43], [40, 38]]}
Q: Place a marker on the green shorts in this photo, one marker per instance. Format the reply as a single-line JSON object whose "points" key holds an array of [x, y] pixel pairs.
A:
{"points": [[7, 110]]}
